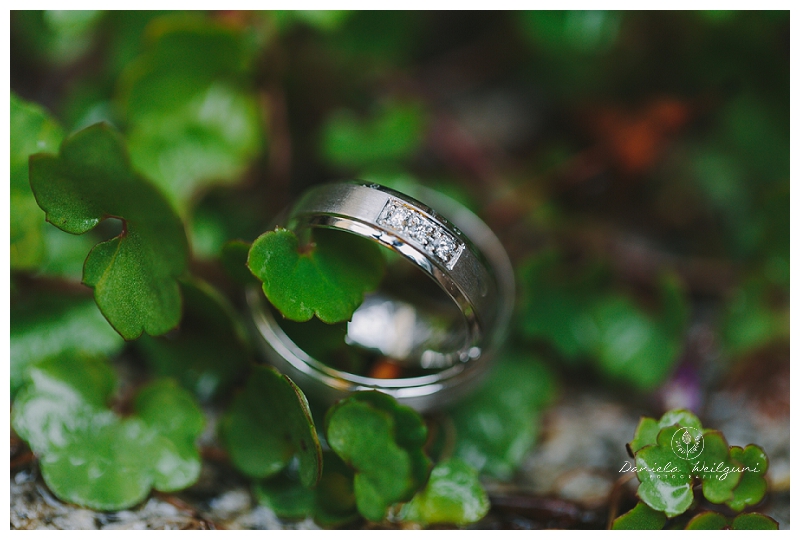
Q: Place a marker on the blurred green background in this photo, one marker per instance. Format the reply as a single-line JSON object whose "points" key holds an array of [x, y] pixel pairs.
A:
{"points": [[614, 153], [634, 164]]}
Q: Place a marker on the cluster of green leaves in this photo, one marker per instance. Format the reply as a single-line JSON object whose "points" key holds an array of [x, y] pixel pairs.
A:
{"points": [[728, 475], [583, 318], [184, 100]]}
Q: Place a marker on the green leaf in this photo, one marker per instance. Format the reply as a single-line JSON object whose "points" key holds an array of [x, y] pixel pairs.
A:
{"points": [[332, 503], [750, 321], [640, 518], [90, 456], [209, 351], [552, 310], [453, 495], [134, 275], [646, 434], [665, 479], [208, 140], [102, 467], [723, 473], [192, 122], [383, 442], [50, 325], [752, 487], [630, 346], [497, 424], [393, 134], [62, 397], [754, 521], [707, 521], [712, 521], [269, 423], [171, 412], [327, 278], [33, 130]]}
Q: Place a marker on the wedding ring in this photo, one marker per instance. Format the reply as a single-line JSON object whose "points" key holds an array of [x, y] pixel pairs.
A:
{"points": [[447, 342]]}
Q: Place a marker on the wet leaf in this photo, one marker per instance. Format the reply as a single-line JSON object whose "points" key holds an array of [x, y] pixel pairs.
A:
{"points": [[383, 442], [665, 479], [134, 274], [92, 457], [453, 495], [209, 351], [498, 424], [267, 424], [752, 487], [50, 326], [63, 396], [328, 278], [393, 134], [172, 413], [640, 518], [192, 121], [33, 130]]}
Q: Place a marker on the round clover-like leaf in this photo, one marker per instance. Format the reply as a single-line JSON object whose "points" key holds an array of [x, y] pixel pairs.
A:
{"points": [[92, 457], [63, 396], [707, 521], [752, 487], [718, 473], [498, 423], [327, 278], [106, 467], [48, 325], [383, 442], [209, 350], [32, 131], [134, 275], [665, 479], [392, 135], [269, 423], [640, 518], [753, 521], [453, 495], [192, 122]]}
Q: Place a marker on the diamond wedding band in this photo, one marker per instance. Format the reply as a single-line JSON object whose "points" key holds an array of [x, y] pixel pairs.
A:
{"points": [[446, 336]]}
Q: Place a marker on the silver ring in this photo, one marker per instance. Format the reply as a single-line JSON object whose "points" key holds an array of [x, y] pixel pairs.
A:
{"points": [[449, 346]]}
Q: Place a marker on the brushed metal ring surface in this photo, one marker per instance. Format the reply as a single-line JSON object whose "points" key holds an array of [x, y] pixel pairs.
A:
{"points": [[459, 253]]}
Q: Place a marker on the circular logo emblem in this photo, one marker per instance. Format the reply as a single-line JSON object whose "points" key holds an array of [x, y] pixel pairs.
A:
{"points": [[687, 443]]}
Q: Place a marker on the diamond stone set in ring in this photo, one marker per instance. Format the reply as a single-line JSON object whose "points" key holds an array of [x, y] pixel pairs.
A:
{"points": [[420, 229]]}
